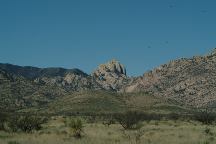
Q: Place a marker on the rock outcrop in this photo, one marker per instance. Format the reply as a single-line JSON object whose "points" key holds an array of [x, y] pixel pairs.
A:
{"points": [[71, 82], [189, 81], [111, 76]]}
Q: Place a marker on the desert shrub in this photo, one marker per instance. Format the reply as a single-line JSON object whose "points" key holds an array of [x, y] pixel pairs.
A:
{"points": [[108, 120], [90, 119], [3, 118], [208, 131], [206, 142], [129, 120], [133, 136], [13, 142], [150, 116], [173, 116], [76, 126], [26, 123], [206, 116]]}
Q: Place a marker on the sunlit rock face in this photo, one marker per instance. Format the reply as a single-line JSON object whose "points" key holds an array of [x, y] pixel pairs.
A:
{"points": [[111, 75], [190, 81]]}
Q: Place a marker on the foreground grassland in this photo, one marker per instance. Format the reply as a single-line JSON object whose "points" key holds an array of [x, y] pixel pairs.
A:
{"points": [[153, 132]]}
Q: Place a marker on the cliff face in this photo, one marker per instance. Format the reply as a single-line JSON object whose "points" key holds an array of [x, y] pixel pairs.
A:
{"points": [[189, 81]]}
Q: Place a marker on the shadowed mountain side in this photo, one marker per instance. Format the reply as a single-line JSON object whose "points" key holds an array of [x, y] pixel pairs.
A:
{"points": [[34, 72]]}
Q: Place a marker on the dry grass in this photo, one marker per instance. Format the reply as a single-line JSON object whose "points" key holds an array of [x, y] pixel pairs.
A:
{"points": [[154, 132]]}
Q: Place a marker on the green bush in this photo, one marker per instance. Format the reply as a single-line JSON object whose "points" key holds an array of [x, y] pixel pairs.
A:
{"points": [[1, 122], [3, 119], [206, 116], [76, 126], [207, 130], [129, 120], [26, 123], [108, 120], [91, 119], [13, 142]]}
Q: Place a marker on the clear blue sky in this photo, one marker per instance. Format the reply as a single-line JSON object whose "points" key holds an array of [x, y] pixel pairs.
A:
{"points": [[142, 34]]}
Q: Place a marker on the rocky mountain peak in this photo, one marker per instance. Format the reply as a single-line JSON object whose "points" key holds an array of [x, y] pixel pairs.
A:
{"points": [[112, 66], [110, 75], [213, 52]]}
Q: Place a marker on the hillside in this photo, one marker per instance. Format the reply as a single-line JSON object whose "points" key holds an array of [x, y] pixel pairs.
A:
{"points": [[67, 79], [17, 92], [190, 81], [186, 82], [106, 102], [30, 87]]}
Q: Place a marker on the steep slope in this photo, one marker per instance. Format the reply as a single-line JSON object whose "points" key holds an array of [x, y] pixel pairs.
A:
{"points": [[188, 81]]}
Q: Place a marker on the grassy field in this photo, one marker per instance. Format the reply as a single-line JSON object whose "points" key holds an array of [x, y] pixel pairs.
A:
{"points": [[158, 126], [153, 132], [103, 102]]}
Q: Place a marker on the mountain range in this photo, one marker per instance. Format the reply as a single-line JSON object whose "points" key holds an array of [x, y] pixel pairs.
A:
{"points": [[186, 82]]}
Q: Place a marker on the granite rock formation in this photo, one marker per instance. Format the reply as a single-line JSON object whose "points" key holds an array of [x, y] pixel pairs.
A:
{"points": [[191, 81], [111, 76]]}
